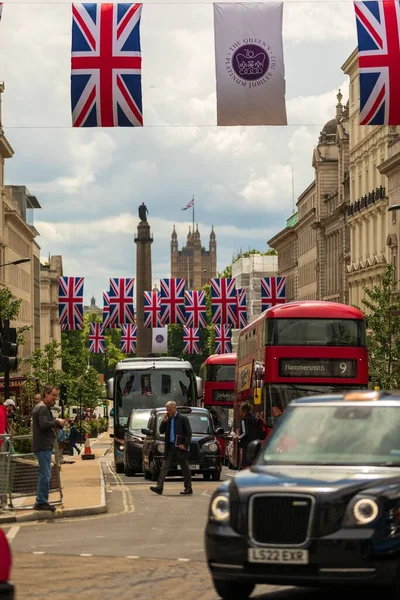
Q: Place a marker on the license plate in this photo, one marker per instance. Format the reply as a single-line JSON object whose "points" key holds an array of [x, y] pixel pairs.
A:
{"points": [[192, 467], [278, 556]]}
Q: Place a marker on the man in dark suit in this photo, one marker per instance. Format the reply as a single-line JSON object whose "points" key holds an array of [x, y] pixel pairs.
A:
{"points": [[178, 434]]}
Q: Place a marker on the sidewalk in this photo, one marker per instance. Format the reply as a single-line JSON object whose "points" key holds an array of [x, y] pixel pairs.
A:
{"points": [[82, 484]]}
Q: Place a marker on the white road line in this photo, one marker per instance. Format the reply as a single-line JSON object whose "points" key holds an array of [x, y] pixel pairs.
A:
{"points": [[37, 552], [184, 559], [12, 532], [205, 493], [86, 555], [133, 557], [102, 485], [231, 474]]}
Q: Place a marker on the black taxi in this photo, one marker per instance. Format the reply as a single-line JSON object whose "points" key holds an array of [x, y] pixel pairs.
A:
{"points": [[204, 450], [320, 504]]}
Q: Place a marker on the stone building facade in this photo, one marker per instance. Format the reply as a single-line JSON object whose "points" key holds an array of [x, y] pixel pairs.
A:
{"points": [[196, 264], [285, 243], [50, 328], [367, 212], [391, 168]]}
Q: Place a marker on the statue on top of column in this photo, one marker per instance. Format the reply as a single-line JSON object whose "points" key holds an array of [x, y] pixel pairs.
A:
{"points": [[143, 212]]}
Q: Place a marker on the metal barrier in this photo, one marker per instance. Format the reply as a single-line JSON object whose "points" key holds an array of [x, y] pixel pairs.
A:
{"points": [[19, 473]]}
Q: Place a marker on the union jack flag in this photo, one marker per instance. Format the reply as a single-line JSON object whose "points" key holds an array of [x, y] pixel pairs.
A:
{"points": [[273, 291], [224, 302], [223, 339], [172, 301], [242, 307], [128, 339], [106, 62], [378, 29], [152, 309], [191, 339], [195, 308], [96, 338], [120, 299], [70, 302]]}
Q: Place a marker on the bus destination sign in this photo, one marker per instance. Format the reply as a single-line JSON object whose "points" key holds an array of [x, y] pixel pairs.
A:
{"points": [[223, 396], [317, 367]]}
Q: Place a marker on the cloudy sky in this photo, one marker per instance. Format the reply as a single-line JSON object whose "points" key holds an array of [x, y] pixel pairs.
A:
{"points": [[90, 182]]}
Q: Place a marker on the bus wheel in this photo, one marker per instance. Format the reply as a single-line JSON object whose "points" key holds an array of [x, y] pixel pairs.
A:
{"points": [[216, 476], [119, 467], [207, 476]]}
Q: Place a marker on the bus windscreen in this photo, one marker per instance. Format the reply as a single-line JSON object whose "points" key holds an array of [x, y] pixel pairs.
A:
{"points": [[316, 332], [221, 373]]}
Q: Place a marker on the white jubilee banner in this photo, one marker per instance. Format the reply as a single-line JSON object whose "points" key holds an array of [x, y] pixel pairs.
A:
{"points": [[160, 340], [249, 64]]}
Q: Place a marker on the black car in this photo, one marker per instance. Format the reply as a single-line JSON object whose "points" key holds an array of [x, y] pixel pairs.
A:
{"points": [[6, 587], [134, 441], [320, 504], [204, 451]]}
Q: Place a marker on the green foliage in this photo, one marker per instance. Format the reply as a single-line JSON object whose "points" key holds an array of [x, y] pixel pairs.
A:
{"points": [[383, 337], [227, 272], [9, 305]]}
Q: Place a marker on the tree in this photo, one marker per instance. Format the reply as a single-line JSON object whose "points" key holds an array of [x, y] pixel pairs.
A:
{"points": [[383, 336], [227, 272]]}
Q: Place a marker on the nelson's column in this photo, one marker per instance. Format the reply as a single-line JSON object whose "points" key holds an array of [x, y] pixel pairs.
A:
{"points": [[143, 242]]}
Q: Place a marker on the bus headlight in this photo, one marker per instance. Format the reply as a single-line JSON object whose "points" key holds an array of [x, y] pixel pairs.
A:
{"points": [[219, 509], [365, 511], [161, 448]]}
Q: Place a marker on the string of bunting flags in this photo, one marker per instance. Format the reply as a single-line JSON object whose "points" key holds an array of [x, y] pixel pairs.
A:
{"points": [[170, 306], [106, 64]]}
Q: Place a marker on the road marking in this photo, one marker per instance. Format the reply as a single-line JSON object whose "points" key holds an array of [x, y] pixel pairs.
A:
{"points": [[205, 493], [184, 559], [12, 532], [37, 552], [231, 474], [133, 557], [86, 555]]}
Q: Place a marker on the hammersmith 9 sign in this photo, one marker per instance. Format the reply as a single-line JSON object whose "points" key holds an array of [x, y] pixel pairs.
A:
{"points": [[317, 367]]}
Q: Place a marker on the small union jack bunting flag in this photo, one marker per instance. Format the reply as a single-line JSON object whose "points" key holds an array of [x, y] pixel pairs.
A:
{"points": [[120, 299], [172, 300], [191, 339], [224, 301], [106, 312], [242, 307], [195, 308], [96, 338], [70, 302], [223, 339], [273, 291], [128, 339], [106, 62], [152, 309]]}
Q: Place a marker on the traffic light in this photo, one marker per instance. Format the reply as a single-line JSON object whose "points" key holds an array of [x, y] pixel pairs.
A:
{"points": [[63, 393], [8, 347]]}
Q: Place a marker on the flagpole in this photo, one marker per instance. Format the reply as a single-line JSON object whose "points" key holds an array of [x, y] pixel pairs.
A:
{"points": [[193, 213]]}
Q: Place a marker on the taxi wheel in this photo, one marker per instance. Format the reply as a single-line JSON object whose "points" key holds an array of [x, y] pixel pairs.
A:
{"points": [[119, 467], [128, 471], [216, 476], [207, 476], [233, 590]]}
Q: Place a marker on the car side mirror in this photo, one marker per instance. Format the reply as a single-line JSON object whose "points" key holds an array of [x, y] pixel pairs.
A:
{"points": [[220, 431], [199, 387], [147, 431], [111, 435], [252, 450], [110, 389]]}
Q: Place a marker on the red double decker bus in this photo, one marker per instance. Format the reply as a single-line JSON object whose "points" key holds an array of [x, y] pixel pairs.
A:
{"points": [[218, 375], [299, 349]]}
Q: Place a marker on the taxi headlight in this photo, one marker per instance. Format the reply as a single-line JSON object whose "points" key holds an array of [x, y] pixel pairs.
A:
{"points": [[220, 508], [213, 447], [120, 447], [161, 448], [365, 511]]}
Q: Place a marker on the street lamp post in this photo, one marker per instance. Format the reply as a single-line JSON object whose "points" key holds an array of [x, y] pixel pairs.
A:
{"points": [[16, 262]]}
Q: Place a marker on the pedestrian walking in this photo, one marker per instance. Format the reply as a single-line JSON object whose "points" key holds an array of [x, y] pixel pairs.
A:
{"points": [[178, 434], [73, 438], [249, 430], [44, 428], [10, 406]]}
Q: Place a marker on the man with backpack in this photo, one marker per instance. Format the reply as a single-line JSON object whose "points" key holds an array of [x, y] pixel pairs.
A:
{"points": [[250, 429]]}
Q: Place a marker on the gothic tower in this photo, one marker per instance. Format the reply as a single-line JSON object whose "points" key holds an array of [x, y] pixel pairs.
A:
{"points": [[196, 264]]}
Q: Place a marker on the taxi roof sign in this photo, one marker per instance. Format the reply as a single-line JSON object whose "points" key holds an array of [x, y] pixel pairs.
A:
{"points": [[362, 396]]}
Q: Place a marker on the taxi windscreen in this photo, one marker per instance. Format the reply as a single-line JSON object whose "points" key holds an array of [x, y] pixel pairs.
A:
{"points": [[199, 423], [336, 435]]}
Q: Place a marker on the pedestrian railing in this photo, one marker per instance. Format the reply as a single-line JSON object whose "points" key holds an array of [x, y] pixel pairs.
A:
{"points": [[19, 473]]}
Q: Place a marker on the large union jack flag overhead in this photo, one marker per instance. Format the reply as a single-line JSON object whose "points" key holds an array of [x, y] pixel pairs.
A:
{"points": [[106, 61], [191, 339], [172, 296], [70, 302], [120, 297], [152, 309], [224, 301], [223, 339], [96, 338], [195, 308], [242, 307], [128, 339], [273, 291], [378, 28]]}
